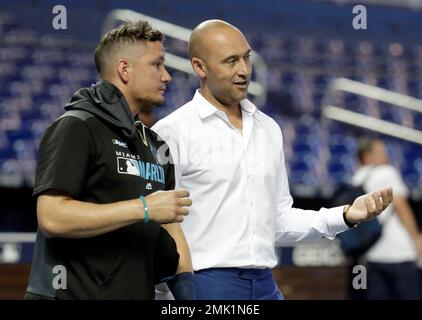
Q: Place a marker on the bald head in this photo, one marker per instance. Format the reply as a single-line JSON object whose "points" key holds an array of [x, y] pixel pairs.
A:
{"points": [[203, 35], [221, 58]]}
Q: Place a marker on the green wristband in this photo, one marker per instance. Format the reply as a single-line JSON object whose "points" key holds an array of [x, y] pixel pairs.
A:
{"points": [[145, 208]]}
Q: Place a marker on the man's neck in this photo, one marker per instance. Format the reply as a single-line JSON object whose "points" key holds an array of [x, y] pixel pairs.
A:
{"points": [[232, 111], [133, 106]]}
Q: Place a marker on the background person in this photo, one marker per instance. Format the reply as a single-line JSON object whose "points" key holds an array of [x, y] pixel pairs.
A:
{"points": [[392, 271]]}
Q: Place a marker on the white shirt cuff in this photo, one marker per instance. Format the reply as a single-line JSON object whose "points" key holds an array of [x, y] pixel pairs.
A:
{"points": [[335, 221]]}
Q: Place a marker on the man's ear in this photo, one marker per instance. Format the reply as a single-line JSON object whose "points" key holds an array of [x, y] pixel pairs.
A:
{"points": [[122, 70], [199, 67]]}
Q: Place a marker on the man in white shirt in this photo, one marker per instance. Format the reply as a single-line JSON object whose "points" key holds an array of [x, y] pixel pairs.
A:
{"points": [[392, 270], [229, 155]]}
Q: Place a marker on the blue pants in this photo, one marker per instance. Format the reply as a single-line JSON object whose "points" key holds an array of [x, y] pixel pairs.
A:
{"points": [[393, 281], [236, 284]]}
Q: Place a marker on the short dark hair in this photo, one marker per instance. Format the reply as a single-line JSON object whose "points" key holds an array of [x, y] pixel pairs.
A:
{"points": [[128, 33], [365, 145]]}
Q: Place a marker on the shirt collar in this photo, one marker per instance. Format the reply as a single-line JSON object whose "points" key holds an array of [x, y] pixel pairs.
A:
{"points": [[247, 106], [206, 108]]}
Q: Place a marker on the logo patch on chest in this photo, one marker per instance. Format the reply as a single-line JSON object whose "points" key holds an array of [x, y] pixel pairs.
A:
{"points": [[127, 166], [146, 170]]}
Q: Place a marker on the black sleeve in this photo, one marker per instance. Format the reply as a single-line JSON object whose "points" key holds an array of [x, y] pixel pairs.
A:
{"points": [[170, 180], [168, 167], [166, 257], [165, 158], [64, 155]]}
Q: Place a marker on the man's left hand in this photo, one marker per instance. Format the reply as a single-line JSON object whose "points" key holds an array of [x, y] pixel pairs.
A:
{"points": [[369, 205]]}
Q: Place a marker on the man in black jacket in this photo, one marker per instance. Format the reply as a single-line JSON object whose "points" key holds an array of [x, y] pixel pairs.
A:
{"points": [[102, 212]]}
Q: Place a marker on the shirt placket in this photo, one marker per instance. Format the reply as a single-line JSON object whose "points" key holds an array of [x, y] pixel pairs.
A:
{"points": [[243, 140], [247, 128]]}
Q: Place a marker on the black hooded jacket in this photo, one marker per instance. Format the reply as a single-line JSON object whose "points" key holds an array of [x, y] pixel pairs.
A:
{"points": [[98, 156], [106, 102]]}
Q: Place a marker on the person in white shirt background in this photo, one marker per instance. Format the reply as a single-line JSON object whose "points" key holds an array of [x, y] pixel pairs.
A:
{"points": [[392, 270], [229, 155]]}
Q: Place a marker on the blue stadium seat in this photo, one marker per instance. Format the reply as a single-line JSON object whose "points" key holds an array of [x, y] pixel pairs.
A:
{"points": [[37, 79]]}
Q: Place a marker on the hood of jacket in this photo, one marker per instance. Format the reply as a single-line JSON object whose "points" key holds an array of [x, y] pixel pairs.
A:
{"points": [[105, 101]]}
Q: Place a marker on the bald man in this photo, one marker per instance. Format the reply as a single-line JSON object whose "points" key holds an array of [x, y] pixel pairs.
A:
{"points": [[230, 156], [101, 206]]}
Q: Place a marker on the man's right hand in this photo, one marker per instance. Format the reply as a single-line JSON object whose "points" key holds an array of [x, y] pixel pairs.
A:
{"points": [[168, 206]]}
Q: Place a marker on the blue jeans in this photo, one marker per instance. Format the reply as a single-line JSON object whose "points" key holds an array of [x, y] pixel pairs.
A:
{"points": [[236, 284]]}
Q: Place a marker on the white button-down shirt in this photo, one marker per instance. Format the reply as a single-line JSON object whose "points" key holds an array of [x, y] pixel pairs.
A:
{"points": [[242, 207]]}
